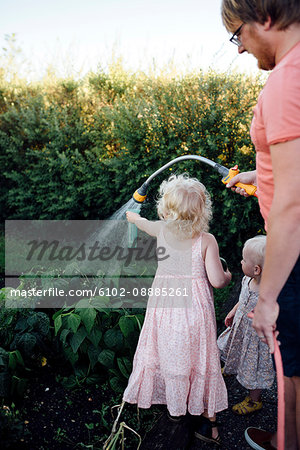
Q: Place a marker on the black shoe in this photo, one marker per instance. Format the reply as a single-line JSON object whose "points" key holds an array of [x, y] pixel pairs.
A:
{"points": [[203, 430]]}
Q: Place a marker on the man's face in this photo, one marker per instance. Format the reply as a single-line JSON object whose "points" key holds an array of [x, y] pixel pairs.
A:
{"points": [[254, 41]]}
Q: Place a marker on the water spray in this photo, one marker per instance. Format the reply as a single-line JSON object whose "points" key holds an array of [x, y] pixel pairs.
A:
{"points": [[227, 174]]}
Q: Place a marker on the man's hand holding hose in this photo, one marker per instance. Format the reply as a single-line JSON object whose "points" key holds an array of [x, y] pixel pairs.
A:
{"points": [[243, 177]]}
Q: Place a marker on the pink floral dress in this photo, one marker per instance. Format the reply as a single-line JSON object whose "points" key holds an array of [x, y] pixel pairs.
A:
{"points": [[177, 359]]}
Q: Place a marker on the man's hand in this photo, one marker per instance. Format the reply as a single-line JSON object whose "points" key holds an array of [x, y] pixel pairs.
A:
{"points": [[264, 321], [243, 177]]}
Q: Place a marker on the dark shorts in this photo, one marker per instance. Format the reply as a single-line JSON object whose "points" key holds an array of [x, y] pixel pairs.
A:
{"points": [[288, 323]]}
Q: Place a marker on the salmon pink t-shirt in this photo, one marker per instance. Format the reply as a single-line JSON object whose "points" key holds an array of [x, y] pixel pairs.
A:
{"points": [[276, 119]]}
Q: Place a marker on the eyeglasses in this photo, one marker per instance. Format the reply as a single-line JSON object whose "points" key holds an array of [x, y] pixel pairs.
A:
{"points": [[235, 37]]}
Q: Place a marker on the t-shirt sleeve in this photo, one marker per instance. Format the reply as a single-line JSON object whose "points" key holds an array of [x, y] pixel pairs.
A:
{"points": [[281, 105]]}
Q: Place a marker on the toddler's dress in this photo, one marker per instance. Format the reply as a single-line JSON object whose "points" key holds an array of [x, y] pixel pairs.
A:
{"points": [[177, 359], [241, 349]]}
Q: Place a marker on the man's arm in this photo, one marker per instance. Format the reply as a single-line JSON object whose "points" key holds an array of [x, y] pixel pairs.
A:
{"points": [[283, 237]]}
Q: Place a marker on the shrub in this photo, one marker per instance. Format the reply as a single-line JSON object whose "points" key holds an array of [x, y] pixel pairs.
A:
{"points": [[78, 150]]}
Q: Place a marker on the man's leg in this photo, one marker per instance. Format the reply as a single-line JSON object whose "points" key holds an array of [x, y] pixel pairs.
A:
{"points": [[297, 388], [257, 438], [290, 414]]}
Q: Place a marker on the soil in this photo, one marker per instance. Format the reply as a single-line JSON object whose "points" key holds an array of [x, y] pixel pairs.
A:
{"points": [[56, 418]]}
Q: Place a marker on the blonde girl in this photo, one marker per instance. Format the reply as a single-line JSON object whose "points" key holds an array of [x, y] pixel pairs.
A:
{"points": [[244, 354], [177, 361]]}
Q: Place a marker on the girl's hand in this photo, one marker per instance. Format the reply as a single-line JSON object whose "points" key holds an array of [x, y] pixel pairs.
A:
{"points": [[229, 318], [132, 216], [228, 275]]}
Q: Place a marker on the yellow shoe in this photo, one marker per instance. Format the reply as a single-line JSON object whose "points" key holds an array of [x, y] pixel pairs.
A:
{"points": [[247, 406], [224, 373]]}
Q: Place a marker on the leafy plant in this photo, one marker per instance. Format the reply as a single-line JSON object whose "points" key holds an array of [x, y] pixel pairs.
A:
{"points": [[24, 335], [99, 343], [11, 426]]}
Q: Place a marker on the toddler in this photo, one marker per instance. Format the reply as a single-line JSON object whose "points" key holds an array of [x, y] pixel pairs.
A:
{"points": [[176, 362], [241, 349]]}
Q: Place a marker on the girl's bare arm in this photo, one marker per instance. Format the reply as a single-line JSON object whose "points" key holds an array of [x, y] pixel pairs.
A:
{"points": [[150, 227], [230, 316], [216, 275]]}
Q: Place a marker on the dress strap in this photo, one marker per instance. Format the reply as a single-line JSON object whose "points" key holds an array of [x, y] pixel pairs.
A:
{"points": [[198, 241]]}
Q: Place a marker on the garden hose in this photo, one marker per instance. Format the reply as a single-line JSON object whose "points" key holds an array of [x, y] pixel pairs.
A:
{"points": [[227, 174], [280, 395]]}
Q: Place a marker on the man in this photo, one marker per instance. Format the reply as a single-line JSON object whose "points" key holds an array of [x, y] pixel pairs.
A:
{"points": [[270, 30]]}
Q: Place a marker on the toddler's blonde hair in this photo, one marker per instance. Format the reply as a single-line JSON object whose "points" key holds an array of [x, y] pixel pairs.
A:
{"points": [[185, 205], [257, 246]]}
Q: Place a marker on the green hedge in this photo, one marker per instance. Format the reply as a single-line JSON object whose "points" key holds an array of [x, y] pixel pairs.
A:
{"points": [[79, 149]]}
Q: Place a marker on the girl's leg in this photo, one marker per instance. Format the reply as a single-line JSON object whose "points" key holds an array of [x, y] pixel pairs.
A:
{"points": [[214, 430], [255, 395], [250, 404], [175, 419]]}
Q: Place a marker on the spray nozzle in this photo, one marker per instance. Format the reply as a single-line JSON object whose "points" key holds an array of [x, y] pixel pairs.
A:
{"points": [[141, 193]]}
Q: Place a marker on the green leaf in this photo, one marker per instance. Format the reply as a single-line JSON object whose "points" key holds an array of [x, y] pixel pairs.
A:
{"points": [[77, 339], [63, 335], [127, 325], [117, 385], [12, 361], [19, 385], [3, 357], [113, 339], [93, 379], [57, 324], [26, 342], [93, 354], [69, 382], [115, 372], [57, 313], [125, 366], [73, 322], [106, 358], [88, 317], [94, 336], [19, 358], [100, 303], [40, 322], [83, 303], [70, 355]]}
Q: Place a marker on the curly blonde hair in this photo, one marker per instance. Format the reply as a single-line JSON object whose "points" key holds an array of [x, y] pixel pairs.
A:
{"points": [[185, 205]]}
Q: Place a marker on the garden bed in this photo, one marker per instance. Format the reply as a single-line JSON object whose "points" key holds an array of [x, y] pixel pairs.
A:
{"points": [[52, 417]]}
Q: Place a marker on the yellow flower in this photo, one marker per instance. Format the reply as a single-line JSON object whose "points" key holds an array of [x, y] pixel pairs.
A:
{"points": [[43, 361]]}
